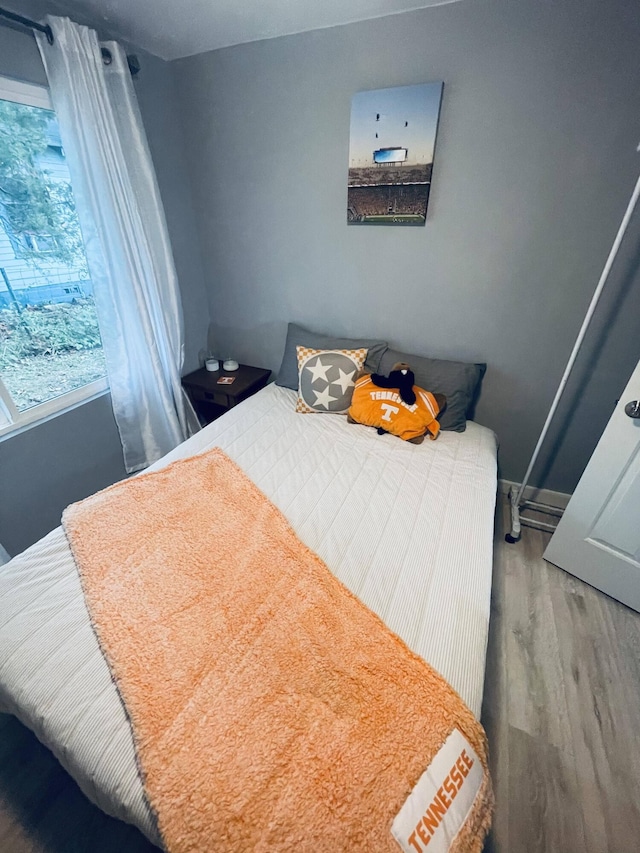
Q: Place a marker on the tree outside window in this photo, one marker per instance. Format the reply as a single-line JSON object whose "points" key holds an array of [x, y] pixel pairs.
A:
{"points": [[49, 337]]}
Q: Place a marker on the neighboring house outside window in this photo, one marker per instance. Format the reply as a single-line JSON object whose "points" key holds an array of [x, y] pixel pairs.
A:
{"points": [[50, 349]]}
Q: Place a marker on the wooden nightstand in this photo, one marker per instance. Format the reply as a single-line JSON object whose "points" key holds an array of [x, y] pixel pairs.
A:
{"points": [[211, 399]]}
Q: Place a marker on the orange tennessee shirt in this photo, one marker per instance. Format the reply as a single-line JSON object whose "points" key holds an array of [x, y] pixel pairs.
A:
{"points": [[384, 407]]}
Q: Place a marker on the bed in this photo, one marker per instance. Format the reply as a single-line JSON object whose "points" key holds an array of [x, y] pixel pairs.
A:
{"points": [[408, 529]]}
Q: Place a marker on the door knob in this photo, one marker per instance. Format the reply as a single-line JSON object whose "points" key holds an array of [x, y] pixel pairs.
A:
{"points": [[633, 409]]}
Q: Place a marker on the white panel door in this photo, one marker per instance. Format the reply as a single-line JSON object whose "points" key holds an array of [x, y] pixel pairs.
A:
{"points": [[598, 538]]}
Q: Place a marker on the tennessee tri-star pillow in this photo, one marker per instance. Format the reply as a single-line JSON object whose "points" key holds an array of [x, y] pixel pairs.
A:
{"points": [[326, 378]]}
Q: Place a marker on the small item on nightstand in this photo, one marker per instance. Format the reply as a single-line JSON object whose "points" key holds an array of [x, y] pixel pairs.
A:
{"points": [[226, 380], [230, 364], [212, 364]]}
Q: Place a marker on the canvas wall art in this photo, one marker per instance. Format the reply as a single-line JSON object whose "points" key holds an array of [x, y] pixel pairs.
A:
{"points": [[393, 137]]}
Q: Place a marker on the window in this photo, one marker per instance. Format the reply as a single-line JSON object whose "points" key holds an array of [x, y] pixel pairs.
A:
{"points": [[50, 349], [40, 243]]}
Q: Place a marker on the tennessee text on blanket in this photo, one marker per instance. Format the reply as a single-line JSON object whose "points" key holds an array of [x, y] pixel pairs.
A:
{"points": [[271, 710]]}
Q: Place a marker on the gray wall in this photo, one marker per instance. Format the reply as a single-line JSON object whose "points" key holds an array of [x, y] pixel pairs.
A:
{"points": [[45, 468], [73, 455], [534, 165]]}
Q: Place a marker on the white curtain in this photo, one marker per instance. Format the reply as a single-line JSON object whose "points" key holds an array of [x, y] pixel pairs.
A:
{"points": [[126, 240]]}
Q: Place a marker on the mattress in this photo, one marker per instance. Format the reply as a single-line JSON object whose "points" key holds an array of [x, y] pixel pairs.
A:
{"points": [[407, 528]]}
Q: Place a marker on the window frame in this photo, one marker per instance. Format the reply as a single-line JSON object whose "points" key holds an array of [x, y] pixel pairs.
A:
{"points": [[13, 421]]}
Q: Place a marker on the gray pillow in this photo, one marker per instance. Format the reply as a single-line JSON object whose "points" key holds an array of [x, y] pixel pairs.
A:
{"points": [[457, 380], [298, 336]]}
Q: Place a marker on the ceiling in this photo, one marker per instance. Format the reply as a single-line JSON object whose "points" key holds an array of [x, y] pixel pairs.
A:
{"points": [[172, 29]]}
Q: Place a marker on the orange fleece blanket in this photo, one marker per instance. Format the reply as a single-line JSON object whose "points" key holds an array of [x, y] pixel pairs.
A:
{"points": [[271, 710]]}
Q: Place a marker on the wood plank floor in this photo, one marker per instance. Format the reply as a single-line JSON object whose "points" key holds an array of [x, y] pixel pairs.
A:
{"points": [[561, 709]]}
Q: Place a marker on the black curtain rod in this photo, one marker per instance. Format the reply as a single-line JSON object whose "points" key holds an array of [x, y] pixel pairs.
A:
{"points": [[29, 24], [132, 60]]}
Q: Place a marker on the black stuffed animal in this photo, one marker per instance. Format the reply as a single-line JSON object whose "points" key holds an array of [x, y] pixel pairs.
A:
{"points": [[402, 378]]}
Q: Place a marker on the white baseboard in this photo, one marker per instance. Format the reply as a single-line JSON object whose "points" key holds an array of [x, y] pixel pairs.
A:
{"points": [[533, 493]]}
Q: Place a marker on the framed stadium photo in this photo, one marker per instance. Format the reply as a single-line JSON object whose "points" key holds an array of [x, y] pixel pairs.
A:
{"points": [[391, 145]]}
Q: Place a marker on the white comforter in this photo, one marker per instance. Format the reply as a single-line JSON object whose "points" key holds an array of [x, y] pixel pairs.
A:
{"points": [[409, 529]]}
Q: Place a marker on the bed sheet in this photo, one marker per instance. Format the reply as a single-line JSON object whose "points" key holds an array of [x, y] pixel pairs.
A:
{"points": [[407, 528]]}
